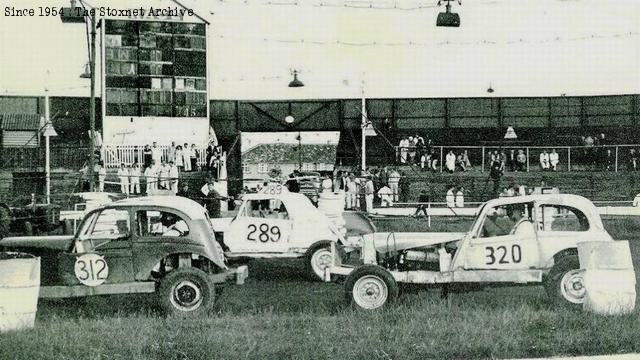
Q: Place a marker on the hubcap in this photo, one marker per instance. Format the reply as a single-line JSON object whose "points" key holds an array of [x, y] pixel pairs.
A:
{"points": [[320, 260], [572, 287], [370, 292], [186, 296]]}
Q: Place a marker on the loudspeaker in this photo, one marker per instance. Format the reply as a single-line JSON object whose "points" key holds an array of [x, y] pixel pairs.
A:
{"points": [[448, 19]]}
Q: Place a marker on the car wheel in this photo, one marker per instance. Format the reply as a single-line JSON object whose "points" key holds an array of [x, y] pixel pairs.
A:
{"points": [[565, 282], [370, 287], [318, 258], [186, 291]]}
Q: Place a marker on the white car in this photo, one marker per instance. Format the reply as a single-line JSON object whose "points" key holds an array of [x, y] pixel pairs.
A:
{"points": [[521, 240], [276, 223]]}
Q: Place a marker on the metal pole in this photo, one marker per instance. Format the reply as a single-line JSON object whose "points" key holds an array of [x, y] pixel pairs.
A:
{"points": [[299, 151], [527, 159], [47, 163], [482, 169], [363, 137], [569, 160], [616, 159], [92, 103], [441, 156]]}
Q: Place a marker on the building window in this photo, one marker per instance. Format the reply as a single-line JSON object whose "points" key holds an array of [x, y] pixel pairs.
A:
{"points": [[245, 169], [263, 168]]}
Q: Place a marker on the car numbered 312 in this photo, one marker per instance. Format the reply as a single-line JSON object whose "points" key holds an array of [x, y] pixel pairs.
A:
{"points": [[91, 269]]}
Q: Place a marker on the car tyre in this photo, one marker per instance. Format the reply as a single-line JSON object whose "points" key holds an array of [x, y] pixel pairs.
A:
{"points": [[565, 283], [318, 258], [370, 287], [186, 291]]}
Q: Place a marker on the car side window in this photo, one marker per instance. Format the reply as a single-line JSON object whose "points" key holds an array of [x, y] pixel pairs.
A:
{"points": [[113, 223], [562, 218], [160, 223], [508, 219], [267, 209]]}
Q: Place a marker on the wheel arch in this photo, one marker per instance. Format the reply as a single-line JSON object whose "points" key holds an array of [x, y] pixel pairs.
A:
{"points": [[179, 259]]}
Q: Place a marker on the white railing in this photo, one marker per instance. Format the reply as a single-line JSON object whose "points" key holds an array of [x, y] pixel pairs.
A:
{"points": [[113, 156]]}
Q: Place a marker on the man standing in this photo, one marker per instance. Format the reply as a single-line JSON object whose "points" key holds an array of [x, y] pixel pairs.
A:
{"points": [[156, 153], [521, 161], [186, 157], [544, 160], [123, 176], [368, 193], [102, 175], [171, 154], [394, 180], [451, 197], [495, 174], [193, 157], [450, 161], [151, 177], [460, 197], [554, 159], [385, 196], [163, 176], [352, 192], [403, 149], [173, 177], [134, 176], [327, 184]]}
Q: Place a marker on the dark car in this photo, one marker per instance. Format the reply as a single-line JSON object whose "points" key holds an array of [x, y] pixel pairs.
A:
{"points": [[155, 244]]}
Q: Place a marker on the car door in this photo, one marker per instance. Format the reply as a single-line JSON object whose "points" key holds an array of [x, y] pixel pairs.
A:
{"points": [[102, 253], [262, 226], [506, 240]]}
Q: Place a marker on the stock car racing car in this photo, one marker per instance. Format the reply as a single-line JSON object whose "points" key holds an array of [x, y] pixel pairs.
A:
{"points": [[276, 223], [519, 240], [154, 244]]}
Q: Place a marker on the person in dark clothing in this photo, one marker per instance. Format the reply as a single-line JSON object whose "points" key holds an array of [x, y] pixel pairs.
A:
{"points": [[405, 186], [495, 174], [292, 183], [147, 156], [423, 199], [212, 201]]}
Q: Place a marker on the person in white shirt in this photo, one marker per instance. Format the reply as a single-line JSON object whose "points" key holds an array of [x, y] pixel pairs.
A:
{"points": [[554, 159], [173, 176], [163, 176], [186, 157], [450, 161], [636, 201], [327, 184], [123, 176], [451, 197], [460, 197], [394, 181], [151, 176], [134, 178], [368, 193], [404, 149], [352, 192], [412, 150], [544, 160], [171, 154], [156, 153], [102, 175], [385, 196], [179, 159]]}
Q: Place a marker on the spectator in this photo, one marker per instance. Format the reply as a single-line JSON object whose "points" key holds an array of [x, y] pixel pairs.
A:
{"points": [[633, 160], [636, 201], [450, 161], [521, 160], [368, 192], [544, 160], [503, 159], [193, 157], [156, 153], [164, 177], [385, 196], [327, 184], [186, 157], [423, 206], [420, 147], [554, 159], [513, 164], [151, 177], [185, 192], [465, 158], [174, 175], [171, 154], [451, 196], [405, 187], [429, 153], [351, 198], [404, 149], [134, 178], [495, 174], [123, 176], [460, 164], [102, 175], [179, 158], [147, 156], [460, 197], [210, 156], [394, 181], [212, 198], [412, 150], [383, 175], [292, 183], [609, 160]]}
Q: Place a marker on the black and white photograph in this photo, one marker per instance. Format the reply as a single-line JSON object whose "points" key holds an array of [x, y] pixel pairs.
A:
{"points": [[319, 179]]}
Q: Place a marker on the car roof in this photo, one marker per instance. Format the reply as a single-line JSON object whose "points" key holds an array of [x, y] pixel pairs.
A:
{"points": [[189, 207], [553, 199]]}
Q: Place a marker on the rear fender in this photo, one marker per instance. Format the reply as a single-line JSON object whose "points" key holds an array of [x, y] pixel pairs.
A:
{"points": [[178, 260]]}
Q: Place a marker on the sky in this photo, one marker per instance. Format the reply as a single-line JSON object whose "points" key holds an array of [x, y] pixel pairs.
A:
{"points": [[516, 47]]}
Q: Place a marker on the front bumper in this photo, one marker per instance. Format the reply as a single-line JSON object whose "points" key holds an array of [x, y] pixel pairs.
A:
{"points": [[238, 275]]}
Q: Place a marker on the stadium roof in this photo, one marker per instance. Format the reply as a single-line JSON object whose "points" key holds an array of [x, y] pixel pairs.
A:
{"points": [[289, 154]]}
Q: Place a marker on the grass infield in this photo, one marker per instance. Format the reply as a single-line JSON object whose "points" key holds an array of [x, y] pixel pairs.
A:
{"points": [[279, 314]]}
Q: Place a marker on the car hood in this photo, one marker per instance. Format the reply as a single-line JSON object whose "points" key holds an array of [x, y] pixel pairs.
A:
{"points": [[55, 243], [408, 240]]}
